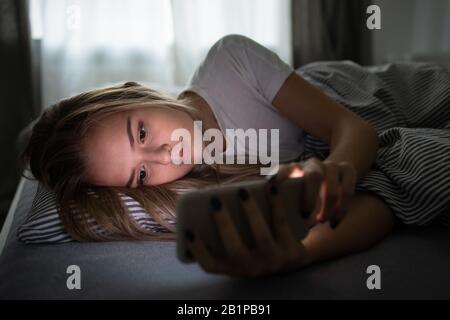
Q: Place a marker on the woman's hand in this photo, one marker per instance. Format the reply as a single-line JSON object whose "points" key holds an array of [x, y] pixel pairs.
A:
{"points": [[276, 251], [336, 182]]}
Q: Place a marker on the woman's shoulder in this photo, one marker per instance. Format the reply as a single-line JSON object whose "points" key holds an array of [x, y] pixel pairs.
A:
{"points": [[234, 38], [220, 59], [234, 43]]}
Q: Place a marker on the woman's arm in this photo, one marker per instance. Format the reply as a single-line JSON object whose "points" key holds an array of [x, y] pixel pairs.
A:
{"points": [[367, 221], [355, 143], [351, 138]]}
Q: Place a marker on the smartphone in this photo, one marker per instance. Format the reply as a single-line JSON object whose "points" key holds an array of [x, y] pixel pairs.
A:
{"points": [[194, 213]]}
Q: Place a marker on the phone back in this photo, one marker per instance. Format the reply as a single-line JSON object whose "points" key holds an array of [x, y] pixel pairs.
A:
{"points": [[194, 212]]}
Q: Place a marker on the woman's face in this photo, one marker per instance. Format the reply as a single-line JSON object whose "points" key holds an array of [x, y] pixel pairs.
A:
{"points": [[134, 147]]}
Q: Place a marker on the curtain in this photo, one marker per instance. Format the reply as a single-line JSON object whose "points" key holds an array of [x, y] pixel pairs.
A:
{"points": [[413, 30], [15, 90], [431, 27], [91, 43], [330, 30]]}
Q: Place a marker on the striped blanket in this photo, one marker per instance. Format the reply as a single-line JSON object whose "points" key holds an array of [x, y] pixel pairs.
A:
{"points": [[409, 105]]}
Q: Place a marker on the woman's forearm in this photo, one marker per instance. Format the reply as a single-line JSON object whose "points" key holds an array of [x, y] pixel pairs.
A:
{"points": [[355, 142], [367, 221]]}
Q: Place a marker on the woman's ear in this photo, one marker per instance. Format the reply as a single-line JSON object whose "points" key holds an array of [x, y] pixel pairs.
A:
{"points": [[131, 84]]}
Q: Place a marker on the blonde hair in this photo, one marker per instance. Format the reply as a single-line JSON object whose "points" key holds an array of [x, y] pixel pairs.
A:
{"points": [[54, 157]]}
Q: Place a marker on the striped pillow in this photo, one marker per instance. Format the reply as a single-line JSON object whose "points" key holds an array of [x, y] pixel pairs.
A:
{"points": [[43, 224]]}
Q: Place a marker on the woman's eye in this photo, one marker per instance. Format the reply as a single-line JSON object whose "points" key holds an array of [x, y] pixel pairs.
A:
{"points": [[142, 176], [142, 132]]}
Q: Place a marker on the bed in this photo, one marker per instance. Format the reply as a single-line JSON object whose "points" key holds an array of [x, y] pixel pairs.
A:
{"points": [[414, 264]]}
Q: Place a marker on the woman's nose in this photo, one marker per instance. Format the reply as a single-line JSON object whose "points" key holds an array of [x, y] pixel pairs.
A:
{"points": [[159, 155]]}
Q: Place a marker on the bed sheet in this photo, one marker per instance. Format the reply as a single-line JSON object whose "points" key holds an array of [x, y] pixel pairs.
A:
{"points": [[414, 264]]}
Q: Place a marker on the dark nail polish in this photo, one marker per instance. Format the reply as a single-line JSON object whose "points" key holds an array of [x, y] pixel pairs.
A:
{"points": [[274, 190], [189, 254], [334, 224], [189, 235], [271, 180], [243, 194], [216, 204]]}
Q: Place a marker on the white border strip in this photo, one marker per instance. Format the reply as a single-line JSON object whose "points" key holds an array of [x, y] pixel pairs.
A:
{"points": [[10, 216]]}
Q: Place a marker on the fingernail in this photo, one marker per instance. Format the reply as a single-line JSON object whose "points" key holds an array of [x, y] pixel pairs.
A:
{"points": [[243, 194], [334, 224], [305, 214], [216, 204], [273, 190], [189, 235]]}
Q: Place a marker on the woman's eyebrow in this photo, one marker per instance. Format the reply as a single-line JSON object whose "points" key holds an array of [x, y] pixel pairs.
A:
{"points": [[130, 137]]}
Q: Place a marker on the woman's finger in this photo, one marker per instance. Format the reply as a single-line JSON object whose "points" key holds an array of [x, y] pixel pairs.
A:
{"points": [[204, 257], [313, 177], [230, 237], [281, 228], [331, 192], [258, 225], [219, 265], [292, 252], [313, 171]]}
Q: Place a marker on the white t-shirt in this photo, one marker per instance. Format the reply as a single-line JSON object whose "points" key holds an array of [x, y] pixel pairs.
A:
{"points": [[239, 79]]}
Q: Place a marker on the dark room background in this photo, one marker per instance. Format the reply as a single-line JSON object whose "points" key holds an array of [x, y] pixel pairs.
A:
{"points": [[411, 30]]}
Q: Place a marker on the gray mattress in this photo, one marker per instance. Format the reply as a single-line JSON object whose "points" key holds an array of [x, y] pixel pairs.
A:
{"points": [[414, 264]]}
